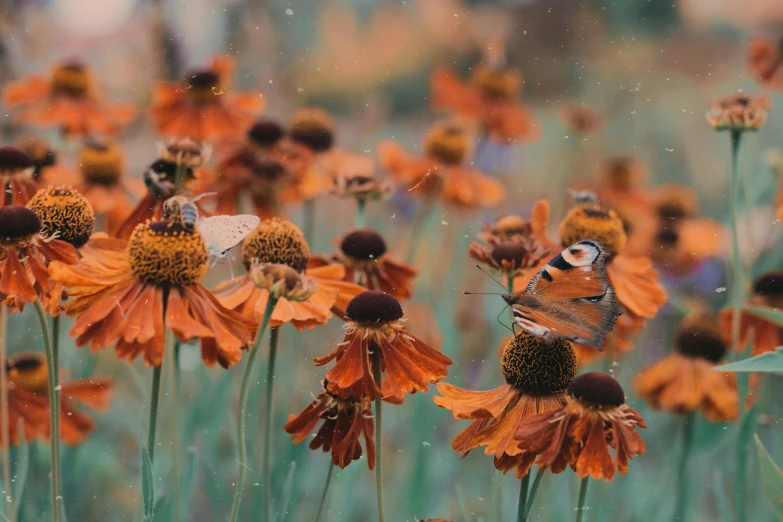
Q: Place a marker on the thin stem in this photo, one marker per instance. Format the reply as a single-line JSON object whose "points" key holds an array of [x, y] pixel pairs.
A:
{"points": [[523, 489], [56, 375], [154, 402], [172, 376], [376, 373], [5, 429], [309, 220], [242, 414], [360, 213], [682, 482], [736, 261], [531, 497], [326, 491], [54, 418], [270, 395], [580, 507], [179, 177]]}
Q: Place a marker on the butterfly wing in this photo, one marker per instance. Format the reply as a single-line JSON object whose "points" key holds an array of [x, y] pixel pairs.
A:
{"points": [[570, 297], [221, 233]]}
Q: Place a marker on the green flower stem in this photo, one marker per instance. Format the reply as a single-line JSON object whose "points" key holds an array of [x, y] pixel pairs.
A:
{"points": [[523, 489], [322, 504], [5, 429], [361, 219], [682, 483], [531, 496], [172, 376], [376, 372], [242, 414], [54, 414], [270, 395], [154, 403], [179, 177], [736, 261], [580, 506]]}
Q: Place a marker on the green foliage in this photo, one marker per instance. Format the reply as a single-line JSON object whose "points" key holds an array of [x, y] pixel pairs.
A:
{"points": [[772, 478]]}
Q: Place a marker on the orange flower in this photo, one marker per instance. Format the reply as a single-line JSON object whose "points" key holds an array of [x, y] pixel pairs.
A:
{"points": [[69, 99], [345, 421], [765, 62], [620, 181], [375, 335], [16, 176], [362, 187], [537, 374], [202, 106], [765, 333], [444, 170], [686, 380], [28, 386], [46, 168], [738, 112], [178, 157], [25, 253], [129, 292], [253, 167], [364, 258], [594, 418], [279, 242], [489, 99], [581, 118]]}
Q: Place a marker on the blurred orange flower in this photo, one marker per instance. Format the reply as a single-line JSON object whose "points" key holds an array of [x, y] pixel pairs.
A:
{"points": [[581, 119], [203, 106], [16, 175], [739, 112], [765, 62], [766, 334]]}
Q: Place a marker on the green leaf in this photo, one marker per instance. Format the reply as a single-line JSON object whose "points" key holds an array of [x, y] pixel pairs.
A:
{"points": [[22, 467], [772, 478], [147, 485], [770, 362]]}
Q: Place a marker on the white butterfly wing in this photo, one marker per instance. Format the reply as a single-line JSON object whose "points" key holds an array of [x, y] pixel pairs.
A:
{"points": [[221, 233]]}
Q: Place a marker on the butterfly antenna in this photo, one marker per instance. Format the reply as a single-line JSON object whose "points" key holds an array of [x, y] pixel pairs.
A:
{"points": [[501, 323], [490, 276]]}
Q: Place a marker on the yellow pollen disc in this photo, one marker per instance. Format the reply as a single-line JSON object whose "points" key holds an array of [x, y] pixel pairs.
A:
{"points": [[498, 85], [164, 254], [591, 222], [447, 143], [101, 164], [70, 80], [276, 241], [64, 212]]}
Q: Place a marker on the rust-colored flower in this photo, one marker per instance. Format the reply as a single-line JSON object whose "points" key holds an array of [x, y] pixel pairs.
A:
{"points": [[345, 422], [375, 331], [765, 62], [581, 119], [29, 400], [128, 292], [25, 254], [69, 99], [489, 98], [765, 333], [178, 157], [444, 170], [537, 374], [594, 419], [366, 261], [280, 242], [739, 112], [620, 182], [16, 176], [46, 165], [202, 106], [686, 379], [252, 166], [362, 187]]}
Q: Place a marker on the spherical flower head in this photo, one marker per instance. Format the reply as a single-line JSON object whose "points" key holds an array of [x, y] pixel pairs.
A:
{"points": [[675, 201], [597, 390], [363, 245], [593, 222], [70, 79], [264, 134], [276, 241], [537, 367], [374, 307], [700, 339], [362, 187], [167, 254], [201, 85], [282, 281], [101, 163], [447, 142], [498, 84], [65, 214], [622, 172], [768, 289], [313, 128], [184, 152], [40, 151], [739, 112], [581, 118], [15, 162], [18, 225], [27, 370], [509, 226]]}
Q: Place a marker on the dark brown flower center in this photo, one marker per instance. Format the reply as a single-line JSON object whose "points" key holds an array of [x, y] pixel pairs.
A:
{"points": [[267, 169], [374, 306], [667, 237], [316, 137], [363, 244], [14, 160], [598, 389], [512, 252], [70, 80], [204, 80], [276, 241], [27, 370], [17, 222], [265, 133], [537, 367], [769, 284], [671, 210], [65, 212], [700, 343]]}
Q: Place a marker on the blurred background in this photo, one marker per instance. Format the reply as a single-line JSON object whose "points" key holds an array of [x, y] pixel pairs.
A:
{"points": [[648, 67]]}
